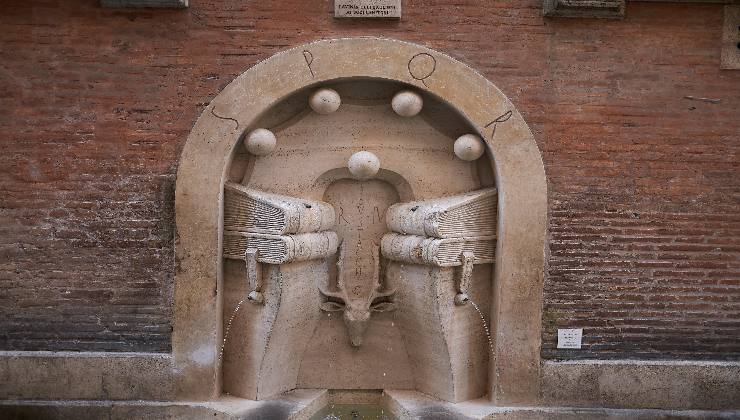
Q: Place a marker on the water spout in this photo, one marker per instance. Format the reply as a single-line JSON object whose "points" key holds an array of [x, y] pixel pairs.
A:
{"points": [[468, 259]]}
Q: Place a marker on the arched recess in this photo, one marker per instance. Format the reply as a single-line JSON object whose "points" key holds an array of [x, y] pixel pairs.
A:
{"points": [[520, 178]]}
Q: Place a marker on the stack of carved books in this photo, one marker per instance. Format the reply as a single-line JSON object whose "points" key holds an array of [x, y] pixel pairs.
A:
{"points": [[438, 231], [281, 228]]}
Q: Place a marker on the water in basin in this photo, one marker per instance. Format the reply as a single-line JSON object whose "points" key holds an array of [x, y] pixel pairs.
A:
{"points": [[352, 412]]}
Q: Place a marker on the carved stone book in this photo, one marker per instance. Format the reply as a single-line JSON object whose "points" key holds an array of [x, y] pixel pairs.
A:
{"points": [[434, 251], [471, 214], [249, 210], [281, 249]]}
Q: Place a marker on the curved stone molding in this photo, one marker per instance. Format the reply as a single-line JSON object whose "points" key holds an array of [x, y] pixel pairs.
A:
{"points": [[520, 178], [401, 185]]}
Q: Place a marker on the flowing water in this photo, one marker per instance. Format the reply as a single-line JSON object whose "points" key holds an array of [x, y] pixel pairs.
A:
{"points": [[352, 412], [485, 325], [228, 327]]}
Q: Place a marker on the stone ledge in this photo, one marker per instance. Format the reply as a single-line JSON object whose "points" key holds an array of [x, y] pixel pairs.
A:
{"points": [[85, 375], [302, 404], [153, 4], [603, 9], [407, 405], [642, 384], [676, 385], [299, 404]]}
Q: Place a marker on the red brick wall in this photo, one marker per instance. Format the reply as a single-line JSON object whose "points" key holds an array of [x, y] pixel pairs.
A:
{"points": [[96, 104]]}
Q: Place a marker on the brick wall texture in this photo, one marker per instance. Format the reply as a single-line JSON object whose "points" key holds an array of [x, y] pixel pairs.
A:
{"points": [[644, 187]]}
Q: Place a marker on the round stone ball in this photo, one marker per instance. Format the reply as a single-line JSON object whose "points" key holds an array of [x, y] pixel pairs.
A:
{"points": [[363, 165], [325, 101], [407, 103], [469, 147], [260, 142]]}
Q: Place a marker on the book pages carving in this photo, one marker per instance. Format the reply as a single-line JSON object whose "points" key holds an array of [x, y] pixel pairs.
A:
{"points": [[472, 214], [440, 252], [249, 210], [281, 249]]}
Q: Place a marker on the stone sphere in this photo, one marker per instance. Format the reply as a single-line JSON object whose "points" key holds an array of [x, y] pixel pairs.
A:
{"points": [[260, 142], [407, 103], [324, 101], [363, 165], [469, 147]]}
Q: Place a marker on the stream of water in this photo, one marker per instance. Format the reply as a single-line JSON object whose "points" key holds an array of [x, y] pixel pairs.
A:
{"points": [[352, 412], [485, 325], [228, 327]]}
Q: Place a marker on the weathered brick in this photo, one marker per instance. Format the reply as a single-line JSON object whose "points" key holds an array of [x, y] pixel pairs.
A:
{"points": [[644, 247]]}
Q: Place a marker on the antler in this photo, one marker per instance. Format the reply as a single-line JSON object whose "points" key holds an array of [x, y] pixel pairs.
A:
{"points": [[376, 293], [341, 294]]}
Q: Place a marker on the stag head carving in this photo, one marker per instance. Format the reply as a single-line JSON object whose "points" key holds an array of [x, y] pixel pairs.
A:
{"points": [[357, 311]]}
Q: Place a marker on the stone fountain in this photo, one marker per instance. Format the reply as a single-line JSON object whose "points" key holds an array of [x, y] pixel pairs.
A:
{"points": [[358, 215]]}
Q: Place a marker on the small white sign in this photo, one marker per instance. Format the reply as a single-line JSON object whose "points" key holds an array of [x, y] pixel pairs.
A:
{"points": [[570, 338]]}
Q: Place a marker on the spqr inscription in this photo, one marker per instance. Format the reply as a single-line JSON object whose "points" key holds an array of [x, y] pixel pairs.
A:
{"points": [[213, 112], [360, 207], [309, 60], [422, 66], [501, 118]]}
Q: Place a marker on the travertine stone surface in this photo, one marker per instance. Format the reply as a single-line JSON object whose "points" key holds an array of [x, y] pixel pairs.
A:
{"points": [[299, 404], [520, 182], [314, 149], [642, 384], [361, 289], [446, 343], [410, 405], [87, 375], [263, 353], [367, 122]]}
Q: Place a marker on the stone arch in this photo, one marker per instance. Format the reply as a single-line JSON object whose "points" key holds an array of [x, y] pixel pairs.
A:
{"points": [[520, 179], [401, 185]]}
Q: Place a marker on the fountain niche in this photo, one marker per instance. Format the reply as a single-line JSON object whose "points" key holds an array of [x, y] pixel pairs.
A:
{"points": [[351, 213], [356, 228]]}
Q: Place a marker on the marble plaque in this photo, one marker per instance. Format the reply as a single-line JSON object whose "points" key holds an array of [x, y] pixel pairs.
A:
{"points": [[570, 338], [367, 9]]}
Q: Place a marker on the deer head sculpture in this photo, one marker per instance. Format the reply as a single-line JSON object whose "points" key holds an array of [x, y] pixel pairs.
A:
{"points": [[357, 311]]}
